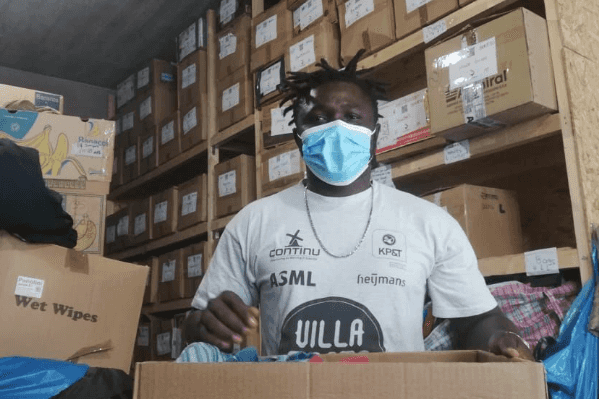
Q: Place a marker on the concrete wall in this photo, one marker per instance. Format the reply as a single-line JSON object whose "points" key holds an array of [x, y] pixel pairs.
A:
{"points": [[80, 99]]}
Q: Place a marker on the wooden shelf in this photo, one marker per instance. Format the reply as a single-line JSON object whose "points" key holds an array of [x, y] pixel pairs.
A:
{"points": [[230, 132], [415, 41], [179, 304], [514, 136], [220, 224], [155, 174], [515, 264], [179, 236]]}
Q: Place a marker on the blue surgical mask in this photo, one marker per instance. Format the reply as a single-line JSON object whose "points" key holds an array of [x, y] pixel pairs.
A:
{"points": [[337, 152]]}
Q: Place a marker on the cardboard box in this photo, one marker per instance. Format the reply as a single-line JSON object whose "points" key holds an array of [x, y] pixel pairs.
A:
{"points": [[89, 213], [141, 219], [142, 351], [40, 99], [127, 118], [192, 76], [148, 151], [235, 98], [130, 163], [307, 13], [230, 11], [162, 336], [193, 122], [364, 26], [117, 169], [193, 202], [177, 339], [195, 263], [65, 304], [233, 44], [125, 91], [69, 147], [123, 228], [320, 40], [268, 81], [275, 126], [158, 74], [192, 39], [166, 210], [157, 103], [281, 167], [151, 290], [490, 217], [170, 276], [404, 121], [422, 375], [410, 15], [110, 244], [169, 143], [235, 184], [503, 78], [271, 34], [464, 2]]}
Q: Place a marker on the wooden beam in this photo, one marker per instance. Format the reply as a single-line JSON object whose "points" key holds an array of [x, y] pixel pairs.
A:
{"points": [[516, 264], [232, 131]]}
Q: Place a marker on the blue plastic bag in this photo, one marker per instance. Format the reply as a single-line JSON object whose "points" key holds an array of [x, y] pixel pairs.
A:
{"points": [[25, 377], [572, 364]]}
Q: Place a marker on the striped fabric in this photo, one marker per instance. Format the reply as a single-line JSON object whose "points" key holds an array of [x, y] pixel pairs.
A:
{"points": [[200, 352]]}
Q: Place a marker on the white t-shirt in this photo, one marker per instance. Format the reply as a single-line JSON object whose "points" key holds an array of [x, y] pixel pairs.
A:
{"points": [[370, 301]]}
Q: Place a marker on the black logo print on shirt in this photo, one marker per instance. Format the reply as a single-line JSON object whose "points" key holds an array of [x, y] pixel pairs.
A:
{"points": [[294, 250]]}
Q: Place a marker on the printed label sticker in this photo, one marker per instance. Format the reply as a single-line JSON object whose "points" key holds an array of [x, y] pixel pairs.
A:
{"points": [[266, 31], [190, 121], [227, 184], [189, 203], [230, 97], [160, 212], [29, 286], [167, 133]]}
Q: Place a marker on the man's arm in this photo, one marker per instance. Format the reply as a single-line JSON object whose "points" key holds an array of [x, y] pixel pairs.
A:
{"points": [[490, 331]]}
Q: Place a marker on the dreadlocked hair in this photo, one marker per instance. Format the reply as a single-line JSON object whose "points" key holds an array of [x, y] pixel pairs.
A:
{"points": [[298, 85]]}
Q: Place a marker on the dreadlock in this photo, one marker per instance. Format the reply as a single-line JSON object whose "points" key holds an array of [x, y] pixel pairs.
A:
{"points": [[299, 85]]}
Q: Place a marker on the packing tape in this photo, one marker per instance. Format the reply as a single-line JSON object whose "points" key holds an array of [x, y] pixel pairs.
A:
{"points": [[77, 261], [88, 350]]}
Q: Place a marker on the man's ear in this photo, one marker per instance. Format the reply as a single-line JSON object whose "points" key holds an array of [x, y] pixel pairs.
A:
{"points": [[298, 141]]}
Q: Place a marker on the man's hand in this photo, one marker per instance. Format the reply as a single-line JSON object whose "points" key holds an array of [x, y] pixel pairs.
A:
{"points": [[223, 323], [510, 344]]}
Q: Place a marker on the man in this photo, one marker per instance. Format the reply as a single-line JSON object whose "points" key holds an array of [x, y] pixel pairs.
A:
{"points": [[338, 263]]}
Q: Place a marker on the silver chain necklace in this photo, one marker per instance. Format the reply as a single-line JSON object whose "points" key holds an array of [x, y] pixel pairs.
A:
{"points": [[316, 235]]}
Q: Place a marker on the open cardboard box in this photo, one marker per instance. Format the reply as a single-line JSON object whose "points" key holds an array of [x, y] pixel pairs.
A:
{"points": [[425, 375]]}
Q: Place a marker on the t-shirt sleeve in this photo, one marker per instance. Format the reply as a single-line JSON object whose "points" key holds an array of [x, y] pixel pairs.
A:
{"points": [[456, 286], [230, 268]]}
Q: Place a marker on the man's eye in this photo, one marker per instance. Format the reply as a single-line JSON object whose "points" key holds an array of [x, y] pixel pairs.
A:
{"points": [[353, 116], [320, 118]]}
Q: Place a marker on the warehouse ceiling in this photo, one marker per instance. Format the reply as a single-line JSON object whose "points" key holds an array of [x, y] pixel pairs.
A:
{"points": [[99, 42]]}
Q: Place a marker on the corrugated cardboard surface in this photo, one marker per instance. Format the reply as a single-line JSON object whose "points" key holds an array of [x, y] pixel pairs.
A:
{"points": [[143, 342], [329, 8], [168, 226], [406, 23], [190, 284], [163, 99], [275, 48], [141, 220], [245, 184], [371, 32], [157, 68], [326, 45], [130, 162], [117, 170], [240, 29], [192, 135], [523, 87], [171, 148], [490, 217], [281, 178], [9, 94], [127, 120], [196, 91], [160, 326], [77, 289], [148, 150], [89, 213], [169, 290], [197, 185], [469, 375], [465, 2], [245, 106], [268, 140]]}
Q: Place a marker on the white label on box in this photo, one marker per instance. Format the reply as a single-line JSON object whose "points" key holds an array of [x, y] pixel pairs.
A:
{"points": [[88, 148], [29, 286], [400, 117], [382, 174], [143, 336], [125, 91], [160, 211], [412, 5], [283, 165], [280, 124], [128, 120], [190, 121], [148, 147], [201, 33], [143, 77], [168, 271], [302, 54], [139, 224], [190, 203], [188, 76], [163, 344], [473, 102], [194, 266], [542, 261], [130, 155], [227, 10], [187, 42], [297, 18], [110, 234], [167, 133], [230, 97], [228, 45], [270, 78], [309, 12], [434, 30], [457, 151], [266, 31], [472, 64], [357, 9], [122, 227], [145, 108], [177, 345], [227, 183]]}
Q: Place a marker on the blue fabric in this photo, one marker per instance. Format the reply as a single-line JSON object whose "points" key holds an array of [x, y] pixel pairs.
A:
{"points": [[573, 362], [24, 377], [200, 352]]}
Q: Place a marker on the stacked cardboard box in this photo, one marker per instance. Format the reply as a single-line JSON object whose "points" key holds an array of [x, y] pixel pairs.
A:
{"points": [[411, 15], [195, 264], [231, 9], [192, 91], [169, 138], [170, 275], [271, 34], [165, 213], [192, 202], [282, 166], [235, 184], [39, 99], [193, 38], [141, 220], [276, 127]]}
